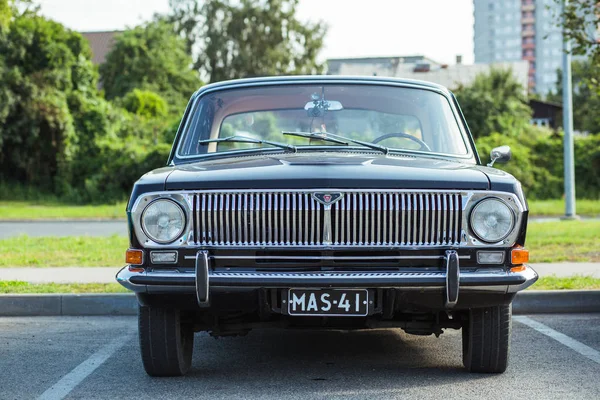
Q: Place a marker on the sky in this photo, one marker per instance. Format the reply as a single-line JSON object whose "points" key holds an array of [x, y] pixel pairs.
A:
{"points": [[438, 29]]}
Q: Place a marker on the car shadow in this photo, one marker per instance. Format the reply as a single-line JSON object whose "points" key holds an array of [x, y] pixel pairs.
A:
{"points": [[341, 362]]}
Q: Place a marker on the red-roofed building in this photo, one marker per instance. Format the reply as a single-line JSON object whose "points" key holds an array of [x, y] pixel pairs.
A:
{"points": [[100, 43]]}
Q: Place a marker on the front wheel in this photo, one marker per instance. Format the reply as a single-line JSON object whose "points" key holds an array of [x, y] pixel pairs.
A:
{"points": [[486, 339], [166, 343]]}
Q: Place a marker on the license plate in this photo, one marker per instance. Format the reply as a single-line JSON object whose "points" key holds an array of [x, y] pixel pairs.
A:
{"points": [[331, 302]]}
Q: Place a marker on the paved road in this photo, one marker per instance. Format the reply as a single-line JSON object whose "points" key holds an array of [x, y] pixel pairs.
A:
{"points": [[63, 228], [97, 358]]}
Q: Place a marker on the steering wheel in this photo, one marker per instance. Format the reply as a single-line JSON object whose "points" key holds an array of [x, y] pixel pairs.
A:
{"points": [[422, 144]]}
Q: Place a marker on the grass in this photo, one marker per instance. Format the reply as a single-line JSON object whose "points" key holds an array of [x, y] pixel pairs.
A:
{"points": [[556, 208], [80, 251], [564, 241], [36, 210], [578, 282], [24, 287]]}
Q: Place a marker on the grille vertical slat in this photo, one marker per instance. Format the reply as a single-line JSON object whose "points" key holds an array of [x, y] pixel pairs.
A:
{"points": [[451, 206], [357, 219], [420, 212], [354, 220], [457, 217], [342, 206], [433, 214]]}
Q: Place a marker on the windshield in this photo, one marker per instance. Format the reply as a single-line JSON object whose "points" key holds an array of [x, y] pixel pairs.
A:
{"points": [[395, 118]]}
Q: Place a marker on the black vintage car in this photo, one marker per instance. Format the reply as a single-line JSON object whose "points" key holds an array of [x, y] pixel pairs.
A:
{"points": [[329, 202]]}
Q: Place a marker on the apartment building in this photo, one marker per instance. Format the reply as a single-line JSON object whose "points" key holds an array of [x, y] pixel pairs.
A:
{"points": [[512, 30]]}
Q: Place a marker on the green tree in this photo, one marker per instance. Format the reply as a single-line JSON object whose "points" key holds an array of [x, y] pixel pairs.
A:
{"points": [[145, 103], [495, 102], [586, 95], [42, 65], [247, 38], [5, 15], [579, 22], [150, 57]]}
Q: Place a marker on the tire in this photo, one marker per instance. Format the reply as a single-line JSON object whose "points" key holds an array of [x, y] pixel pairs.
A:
{"points": [[166, 343], [486, 339]]}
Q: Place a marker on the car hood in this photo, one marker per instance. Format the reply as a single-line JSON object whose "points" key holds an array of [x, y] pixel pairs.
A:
{"points": [[326, 170]]}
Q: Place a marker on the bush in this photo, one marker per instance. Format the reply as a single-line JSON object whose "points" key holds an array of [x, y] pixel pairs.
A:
{"points": [[145, 103], [119, 166], [538, 162]]}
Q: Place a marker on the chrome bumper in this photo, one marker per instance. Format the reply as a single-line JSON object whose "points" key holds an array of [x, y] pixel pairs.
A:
{"points": [[452, 281]]}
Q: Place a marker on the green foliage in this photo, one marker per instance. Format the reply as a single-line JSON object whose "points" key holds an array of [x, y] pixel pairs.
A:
{"points": [[538, 162], [579, 23], [145, 103], [495, 102], [5, 15], [247, 38], [41, 65], [150, 57], [118, 166], [586, 95]]}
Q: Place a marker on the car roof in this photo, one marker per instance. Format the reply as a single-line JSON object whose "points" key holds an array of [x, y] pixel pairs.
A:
{"points": [[287, 80]]}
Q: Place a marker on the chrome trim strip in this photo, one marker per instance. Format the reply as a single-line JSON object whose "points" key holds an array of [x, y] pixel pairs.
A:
{"points": [[328, 258]]}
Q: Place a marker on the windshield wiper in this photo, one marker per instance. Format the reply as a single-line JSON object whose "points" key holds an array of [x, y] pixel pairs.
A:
{"points": [[245, 139], [332, 137], [316, 135]]}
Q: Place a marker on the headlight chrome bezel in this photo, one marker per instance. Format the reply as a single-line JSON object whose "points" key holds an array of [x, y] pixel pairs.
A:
{"points": [[478, 235], [182, 212]]}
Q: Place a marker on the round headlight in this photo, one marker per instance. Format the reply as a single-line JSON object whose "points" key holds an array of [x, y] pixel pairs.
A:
{"points": [[492, 220], [163, 221]]}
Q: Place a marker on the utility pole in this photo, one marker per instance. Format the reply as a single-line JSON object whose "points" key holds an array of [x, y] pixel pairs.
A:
{"points": [[567, 99]]}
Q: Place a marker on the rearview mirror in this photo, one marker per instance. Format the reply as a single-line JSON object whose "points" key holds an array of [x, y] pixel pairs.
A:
{"points": [[500, 154], [318, 108]]}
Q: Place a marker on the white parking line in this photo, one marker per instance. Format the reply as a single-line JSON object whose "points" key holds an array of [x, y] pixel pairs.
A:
{"points": [[571, 343], [68, 382]]}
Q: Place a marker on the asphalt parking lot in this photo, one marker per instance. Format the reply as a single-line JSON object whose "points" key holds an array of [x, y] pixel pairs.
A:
{"points": [[552, 356]]}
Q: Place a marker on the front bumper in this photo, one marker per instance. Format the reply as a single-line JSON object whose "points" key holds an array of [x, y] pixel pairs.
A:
{"points": [[451, 280]]}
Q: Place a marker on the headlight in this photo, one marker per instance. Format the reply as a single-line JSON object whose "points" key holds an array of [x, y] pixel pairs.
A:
{"points": [[163, 221], [492, 220]]}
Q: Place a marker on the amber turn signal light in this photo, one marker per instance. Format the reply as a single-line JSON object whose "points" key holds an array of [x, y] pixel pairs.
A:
{"points": [[134, 256], [519, 256], [518, 268]]}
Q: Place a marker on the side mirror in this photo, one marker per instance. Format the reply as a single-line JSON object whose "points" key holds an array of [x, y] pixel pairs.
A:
{"points": [[500, 154]]}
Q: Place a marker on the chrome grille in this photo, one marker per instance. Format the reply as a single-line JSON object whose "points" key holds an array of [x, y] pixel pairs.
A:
{"points": [[295, 218], [397, 219]]}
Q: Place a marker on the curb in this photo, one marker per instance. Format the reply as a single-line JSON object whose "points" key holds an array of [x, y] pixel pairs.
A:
{"points": [[23, 305], [556, 301], [12, 305]]}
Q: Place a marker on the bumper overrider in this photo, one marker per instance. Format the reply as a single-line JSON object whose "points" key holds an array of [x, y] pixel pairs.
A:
{"points": [[450, 279]]}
